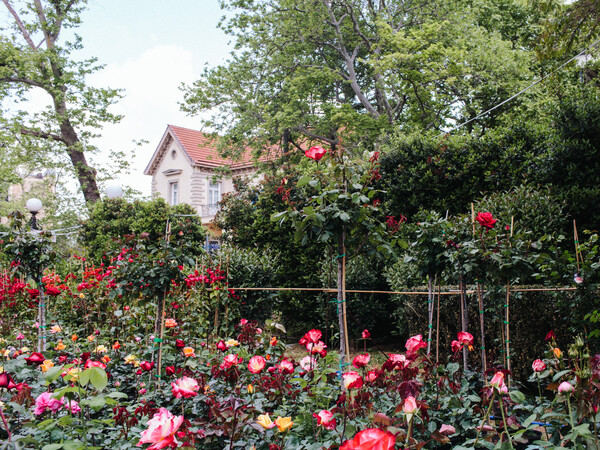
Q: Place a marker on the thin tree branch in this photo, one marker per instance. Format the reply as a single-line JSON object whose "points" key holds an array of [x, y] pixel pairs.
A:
{"points": [[20, 24], [41, 134]]}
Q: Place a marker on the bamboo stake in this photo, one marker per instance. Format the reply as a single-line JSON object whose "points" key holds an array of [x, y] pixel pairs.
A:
{"points": [[160, 314], [437, 330], [512, 226], [162, 332], [507, 327], [430, 299], [463, 317], [578, 256], [344, 307], [482, 329]]}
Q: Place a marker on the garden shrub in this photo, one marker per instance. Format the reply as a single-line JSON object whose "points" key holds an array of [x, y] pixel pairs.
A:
{"points": [[113, 221]]}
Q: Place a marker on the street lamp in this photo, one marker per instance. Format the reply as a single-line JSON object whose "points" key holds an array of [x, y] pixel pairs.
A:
{"points": [[33, 205], [114, 191]]}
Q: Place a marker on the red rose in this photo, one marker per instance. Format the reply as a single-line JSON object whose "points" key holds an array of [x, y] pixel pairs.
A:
{"points": [[53, 290], [5, 380], [371, 438], [147, 366], [170, 370], [35, 359], [315, 153], [179, 343], [486, 220]]}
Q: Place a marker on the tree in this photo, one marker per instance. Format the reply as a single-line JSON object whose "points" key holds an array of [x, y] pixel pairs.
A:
{"points": [[32, 58], [303, 70]]}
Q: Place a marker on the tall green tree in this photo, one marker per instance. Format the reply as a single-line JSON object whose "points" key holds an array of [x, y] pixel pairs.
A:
{"points": [[304, 69], [33, 58]]}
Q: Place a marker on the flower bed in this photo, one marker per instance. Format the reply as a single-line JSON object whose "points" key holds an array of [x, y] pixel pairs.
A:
{"points": [[244, 391]]}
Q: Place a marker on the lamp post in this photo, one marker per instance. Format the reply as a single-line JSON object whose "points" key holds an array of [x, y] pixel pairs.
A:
{"points": [[114, 191], [33, 205]]}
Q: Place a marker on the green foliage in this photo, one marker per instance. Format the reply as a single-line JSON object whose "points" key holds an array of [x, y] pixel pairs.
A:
{"points": [[29, 251], [301, 70], [35, 59], [114, 222]]}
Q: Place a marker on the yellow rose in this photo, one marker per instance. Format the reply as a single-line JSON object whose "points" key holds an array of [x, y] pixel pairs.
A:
{"points": [[557, 352], [46, 365], [74, 372], [250, 389], [131, 359], [188, 351], [60, 346], [232, 343], [55, 329], [91, 337], [100, 349], [284, 423], [265, 421]]}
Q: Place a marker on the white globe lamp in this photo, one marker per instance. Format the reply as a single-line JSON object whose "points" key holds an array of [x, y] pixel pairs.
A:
{"points": [[114, 191]]}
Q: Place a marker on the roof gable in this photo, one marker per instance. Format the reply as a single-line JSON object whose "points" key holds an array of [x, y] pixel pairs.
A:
{"points": [[200, 149]]}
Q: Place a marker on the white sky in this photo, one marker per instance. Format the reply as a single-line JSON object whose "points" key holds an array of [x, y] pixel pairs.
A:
{"points": [[149, 47]]}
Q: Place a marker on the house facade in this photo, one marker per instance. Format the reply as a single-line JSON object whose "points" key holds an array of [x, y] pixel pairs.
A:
{"points": [[183, 167]]}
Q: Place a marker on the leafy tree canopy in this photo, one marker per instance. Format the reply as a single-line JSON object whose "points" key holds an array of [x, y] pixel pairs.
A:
{"points": [[305, 70], [34, 57]]}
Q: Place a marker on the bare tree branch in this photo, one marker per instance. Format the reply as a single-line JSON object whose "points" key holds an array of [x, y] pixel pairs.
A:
{"points": [[20, 24]]}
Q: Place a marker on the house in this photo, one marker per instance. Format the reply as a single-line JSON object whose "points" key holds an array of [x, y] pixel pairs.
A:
{"points": [[41, 185], [183, 168]]}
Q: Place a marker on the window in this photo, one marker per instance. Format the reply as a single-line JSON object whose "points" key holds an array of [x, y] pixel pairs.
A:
{"points": [[214, 193], [174, 192]]}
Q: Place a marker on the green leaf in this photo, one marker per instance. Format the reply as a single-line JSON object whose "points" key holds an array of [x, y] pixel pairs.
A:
{"points": [[517, 396], [529, 420], [303, 181], [98, 378], [52, 446]]}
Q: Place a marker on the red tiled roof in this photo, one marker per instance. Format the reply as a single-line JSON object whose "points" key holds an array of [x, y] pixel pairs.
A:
{"points": [[202, 149]]}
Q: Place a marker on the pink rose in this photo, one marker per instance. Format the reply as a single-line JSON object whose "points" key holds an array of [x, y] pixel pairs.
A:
{"points": [[447, 430], [161, 430], [308, 363], [325, 419], [256, 364], [371, 438], [352, 380], [317, 348], [538, 365], [465, 338], [72, 406], [565, 388], [361, 360], [286, 367], [498, 383], [230, 361], [45, 402], [456, 346], [185, 387], [315, 153], [311, 337], [372, 375], [414, 344], [410, 405], [396, 361]]}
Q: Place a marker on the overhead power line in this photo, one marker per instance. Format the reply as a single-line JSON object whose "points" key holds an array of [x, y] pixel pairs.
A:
{"points": [[581, 53]]}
